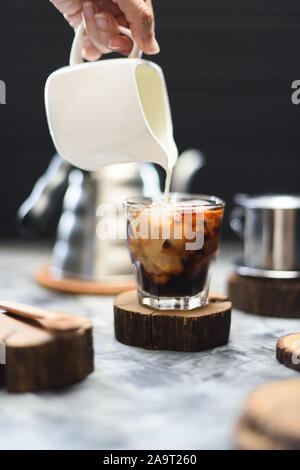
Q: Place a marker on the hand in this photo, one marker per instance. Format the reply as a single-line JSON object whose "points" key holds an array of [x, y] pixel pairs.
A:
{"points": [[102, 17]]}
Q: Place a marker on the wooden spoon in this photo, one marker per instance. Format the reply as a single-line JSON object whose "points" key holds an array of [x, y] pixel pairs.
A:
{"points": [[49, 319]]}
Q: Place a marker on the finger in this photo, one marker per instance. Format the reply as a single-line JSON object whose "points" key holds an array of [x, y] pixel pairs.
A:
{"points": [[68, 7], [94, 33], [121, 44], [122, 20], [107, 27], [110, 34], [89, 51], [107, 5], [140, 16], [74, 20], [149, 5]]}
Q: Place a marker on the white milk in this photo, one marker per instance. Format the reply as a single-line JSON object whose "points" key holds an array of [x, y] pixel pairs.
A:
{"points": [[157, 114]]}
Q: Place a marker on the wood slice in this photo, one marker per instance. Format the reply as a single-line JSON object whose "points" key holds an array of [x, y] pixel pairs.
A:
{"points": [[37, 359], [173, 330], [288, 350], [247, 438], [271, 417], [269, 297], [78, 286]]}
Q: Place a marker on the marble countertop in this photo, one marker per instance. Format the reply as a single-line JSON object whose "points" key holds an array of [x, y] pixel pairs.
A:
{"points": [[138, 399]]}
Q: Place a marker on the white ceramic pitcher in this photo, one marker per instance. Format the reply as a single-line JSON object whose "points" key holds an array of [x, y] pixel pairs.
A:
{"points": [[110, 111]]}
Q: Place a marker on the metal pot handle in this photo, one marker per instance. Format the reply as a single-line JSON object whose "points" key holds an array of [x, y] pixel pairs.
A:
{"points": [[36, 212], [237, 221]]}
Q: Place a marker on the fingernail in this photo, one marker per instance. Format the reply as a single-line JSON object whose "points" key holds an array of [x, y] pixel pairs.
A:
{"points": [[88, 9], [101, 21], [113, 48]]}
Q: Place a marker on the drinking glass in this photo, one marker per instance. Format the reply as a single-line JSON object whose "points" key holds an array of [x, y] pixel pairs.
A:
{"points": [[173, 246]]}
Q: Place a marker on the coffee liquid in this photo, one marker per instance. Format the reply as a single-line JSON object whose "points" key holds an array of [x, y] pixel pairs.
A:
{"points": [[165, 266]]}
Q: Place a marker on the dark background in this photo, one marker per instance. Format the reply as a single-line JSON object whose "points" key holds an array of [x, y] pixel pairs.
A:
{"points": [[229, 66]]}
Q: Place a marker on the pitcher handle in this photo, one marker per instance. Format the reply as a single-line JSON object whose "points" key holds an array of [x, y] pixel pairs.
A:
{"points": [[237, 222], [75, 55]]}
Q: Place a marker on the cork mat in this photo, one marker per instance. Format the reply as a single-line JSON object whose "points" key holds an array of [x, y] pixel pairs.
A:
{"points": [[77, 286]]}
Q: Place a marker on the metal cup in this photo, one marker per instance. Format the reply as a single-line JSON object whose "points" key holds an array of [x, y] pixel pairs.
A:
{"points": [[270, 228]]}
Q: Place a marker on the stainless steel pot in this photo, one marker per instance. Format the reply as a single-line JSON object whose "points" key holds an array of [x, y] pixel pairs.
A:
{"points": [[270, 228], [78, 252]]}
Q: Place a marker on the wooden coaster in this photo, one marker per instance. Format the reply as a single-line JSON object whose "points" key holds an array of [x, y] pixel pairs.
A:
{"points": [[269, 297], [173, 330], [37, 359], [78, 286], [247, 438], [271, 417], [288, 351]]}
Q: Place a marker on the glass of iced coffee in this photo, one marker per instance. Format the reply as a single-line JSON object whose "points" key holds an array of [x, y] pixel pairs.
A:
{"points": [[173, 245]]}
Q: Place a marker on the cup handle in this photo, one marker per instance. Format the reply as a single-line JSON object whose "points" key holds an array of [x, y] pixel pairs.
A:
{"points": [[75, 55], [237, 222]]}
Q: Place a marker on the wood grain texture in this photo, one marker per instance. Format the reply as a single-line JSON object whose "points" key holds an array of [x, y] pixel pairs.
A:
{"points": [[271, 416], [269, 297], [247, 438], [37, 359], [288, 351], [176, 330], [50, 319]]}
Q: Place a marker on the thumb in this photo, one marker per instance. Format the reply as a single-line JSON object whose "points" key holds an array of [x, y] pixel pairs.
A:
{"points": [[139, 15]]}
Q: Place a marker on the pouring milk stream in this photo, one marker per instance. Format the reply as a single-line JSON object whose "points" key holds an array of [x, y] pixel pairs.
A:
{"points": [[111, 111]]}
